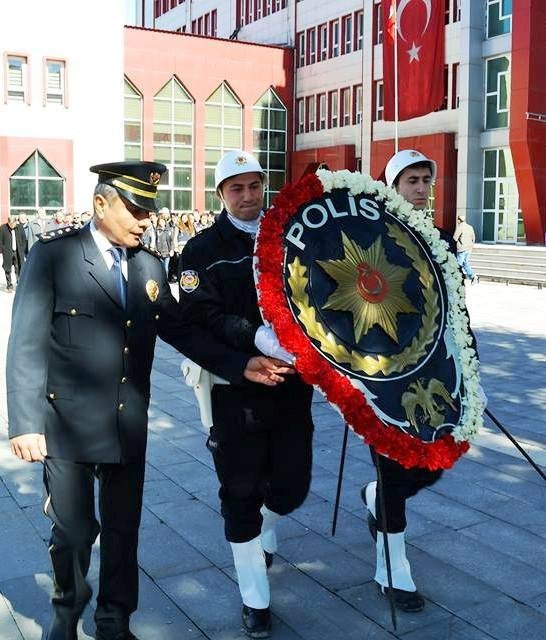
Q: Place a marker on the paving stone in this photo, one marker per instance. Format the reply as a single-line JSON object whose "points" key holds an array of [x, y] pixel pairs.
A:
{"points": [[23, 481], [444, 510], [485, 563], [158, 617], [325, 562], [197, 524], [159, 491], [8, 628], [314, 612], [28, 599], [450, 629], [507, 619], [163, 552], [160, 452], [511, 540], [367, 599], [194, 593], [28, 555], [195, 447]]}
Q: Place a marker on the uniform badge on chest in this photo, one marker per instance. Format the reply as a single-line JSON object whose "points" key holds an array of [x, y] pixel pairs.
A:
{"points": [[152, 289]]}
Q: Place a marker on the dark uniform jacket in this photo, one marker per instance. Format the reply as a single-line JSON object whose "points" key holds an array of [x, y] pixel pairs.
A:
{"points": [[78, 364], [220, 259]]}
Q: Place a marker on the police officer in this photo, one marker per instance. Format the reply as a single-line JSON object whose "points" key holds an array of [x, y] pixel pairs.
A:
{"points": [[261, 436], [85, 318], [412, 175]]}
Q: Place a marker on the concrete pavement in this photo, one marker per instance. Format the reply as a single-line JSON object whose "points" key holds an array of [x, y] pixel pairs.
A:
{"points": [[477, 539]]}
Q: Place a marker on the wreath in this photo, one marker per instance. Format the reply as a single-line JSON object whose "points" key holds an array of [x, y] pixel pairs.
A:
{"points": [[338, 388]]}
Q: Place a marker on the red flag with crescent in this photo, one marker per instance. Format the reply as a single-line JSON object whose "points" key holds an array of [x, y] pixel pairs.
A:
{"points": [[419, 29]]}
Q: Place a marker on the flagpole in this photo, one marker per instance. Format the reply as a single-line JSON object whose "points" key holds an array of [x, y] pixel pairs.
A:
{"points": [[395, 4]]}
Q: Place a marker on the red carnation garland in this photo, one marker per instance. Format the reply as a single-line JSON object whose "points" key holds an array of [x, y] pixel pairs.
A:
{"points": [[315, 370]]}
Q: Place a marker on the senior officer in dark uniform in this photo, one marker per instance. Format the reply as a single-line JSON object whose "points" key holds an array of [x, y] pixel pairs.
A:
{"points": [[261, 439], [86, 314]]}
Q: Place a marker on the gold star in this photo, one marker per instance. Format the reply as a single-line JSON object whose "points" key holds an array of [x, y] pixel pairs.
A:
{"points": [[369, 286]]}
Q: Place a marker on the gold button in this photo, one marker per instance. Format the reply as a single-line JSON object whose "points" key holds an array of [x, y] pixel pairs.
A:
{"points": [[52, 396], [73, 312], [126, 350], [128, 323], [157, 316], [123, 380], [120, 406]]}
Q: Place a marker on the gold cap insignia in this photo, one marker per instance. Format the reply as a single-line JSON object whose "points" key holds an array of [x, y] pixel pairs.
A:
{"points": [[155, 177], [240, 160], [414, 154], [152, 289]]}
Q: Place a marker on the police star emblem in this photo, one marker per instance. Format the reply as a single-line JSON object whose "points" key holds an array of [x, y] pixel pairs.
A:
{"points": [[152, 289], [155, 177], [240, 160]]}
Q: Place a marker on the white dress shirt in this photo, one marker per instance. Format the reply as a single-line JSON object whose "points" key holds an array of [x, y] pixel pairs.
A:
{"points": [[104, 245]]}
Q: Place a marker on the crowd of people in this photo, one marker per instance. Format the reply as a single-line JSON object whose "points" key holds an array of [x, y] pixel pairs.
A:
{"points": [[167, 234]]}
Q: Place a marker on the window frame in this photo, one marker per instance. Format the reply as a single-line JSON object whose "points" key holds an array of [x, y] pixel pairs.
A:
{"points": [[24, 87]]}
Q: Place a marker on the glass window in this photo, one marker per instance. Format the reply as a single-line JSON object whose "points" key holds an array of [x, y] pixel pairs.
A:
{"points": [[55, 81], [501, 215], [357, 104], [311, 115], [334, 108], [173, 144], [269, 140], [311, 46], [322, 111], [347, 22], [377, 24], [497, 92], [36, 184], [323, 41], [378, 100], [345, 107], [132, 122], [301, 49], [499, 17], [359, 30], [16, 78], [223, 132], [334, 38], [301, 116]]}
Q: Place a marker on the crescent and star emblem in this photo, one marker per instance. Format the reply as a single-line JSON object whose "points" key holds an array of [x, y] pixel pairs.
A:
{"points": [[396, 16]]}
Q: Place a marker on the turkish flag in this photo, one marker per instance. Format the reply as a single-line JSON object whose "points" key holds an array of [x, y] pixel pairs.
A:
{"points": [[420, 25]]}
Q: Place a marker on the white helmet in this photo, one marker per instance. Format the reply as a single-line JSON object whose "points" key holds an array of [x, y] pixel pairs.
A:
{"points": [[404, 159], [235, 163]]}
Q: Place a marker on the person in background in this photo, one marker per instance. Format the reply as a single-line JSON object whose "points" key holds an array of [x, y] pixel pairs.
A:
{"points": [[465, 238], [58, 219], [38, 225], [86, 216], [25, 226], [13, 246], [164, 243], [149, 237]]}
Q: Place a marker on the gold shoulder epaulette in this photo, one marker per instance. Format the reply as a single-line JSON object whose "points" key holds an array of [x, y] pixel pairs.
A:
{"points": [[55, 234]]}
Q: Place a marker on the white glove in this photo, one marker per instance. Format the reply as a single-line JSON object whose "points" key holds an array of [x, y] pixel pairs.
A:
{"points": [[266, 341], [482, 396]]}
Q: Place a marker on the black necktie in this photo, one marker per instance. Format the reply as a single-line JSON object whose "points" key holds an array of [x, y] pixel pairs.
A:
{"points": [[117, 274]]}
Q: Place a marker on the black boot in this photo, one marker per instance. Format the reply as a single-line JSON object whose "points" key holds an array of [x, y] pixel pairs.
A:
{"points": [[256, 622]]}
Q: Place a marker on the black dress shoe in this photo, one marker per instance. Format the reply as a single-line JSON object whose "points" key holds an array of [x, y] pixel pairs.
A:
{"points": [[372, 521], [268, 559], [63, 626], [256, 622], [122, 635], [408, 601]]}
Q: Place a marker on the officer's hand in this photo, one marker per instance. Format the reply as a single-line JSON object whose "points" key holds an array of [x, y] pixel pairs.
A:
{"points": [[268, 371], [30, 447]]}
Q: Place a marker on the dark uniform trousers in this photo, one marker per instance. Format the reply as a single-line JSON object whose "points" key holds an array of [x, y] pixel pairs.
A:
{"points": [[261, 457], [399, 484], [71, 507]]}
